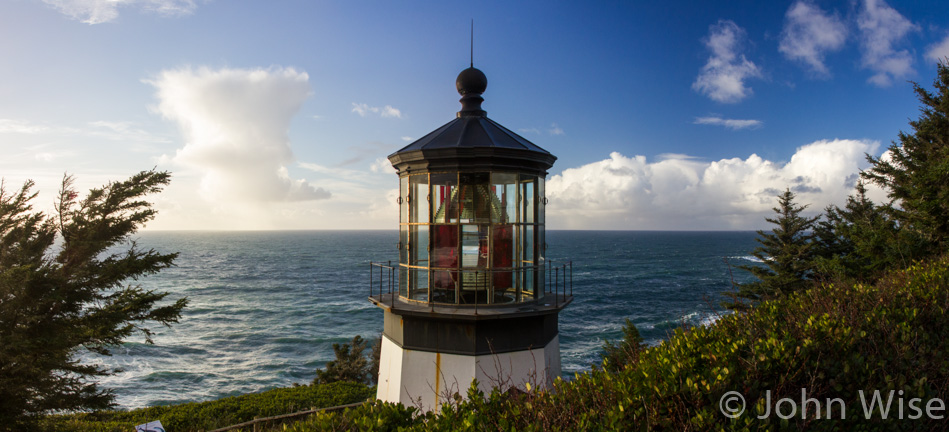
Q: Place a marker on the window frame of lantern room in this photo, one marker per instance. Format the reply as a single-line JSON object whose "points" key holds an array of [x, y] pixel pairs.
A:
{"points": [[425, 227]]}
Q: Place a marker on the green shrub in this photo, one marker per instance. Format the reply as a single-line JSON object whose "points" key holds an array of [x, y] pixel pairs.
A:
{"points": [[620, 355], [374, 416], [351, 364], [209, 415]]}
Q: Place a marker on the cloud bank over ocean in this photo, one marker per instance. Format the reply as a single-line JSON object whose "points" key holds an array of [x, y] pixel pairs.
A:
{"points": [[680, 192]]}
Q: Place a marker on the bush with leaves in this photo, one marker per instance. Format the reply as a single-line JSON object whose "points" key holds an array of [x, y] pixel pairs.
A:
{"points": [[203, 416], [62, 291], [351, 364], [620, 355]]}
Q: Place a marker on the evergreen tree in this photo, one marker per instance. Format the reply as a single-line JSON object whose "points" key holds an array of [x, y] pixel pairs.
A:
{"points": [[351, 364], [859, 241], [62, 292], [787, 254], [915, 171]]}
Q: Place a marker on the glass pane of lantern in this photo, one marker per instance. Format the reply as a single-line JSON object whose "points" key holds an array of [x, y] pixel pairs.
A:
{"points": [[502, 252], [419, 241], [541, 260], [418, 186], [527, 291], [528, 199], [443, 286], [403, 195], [502, 257], [474, 198], [418, 245], [541, 279], [444, 200], [404, 244], [403, 281], [419, 285], [444, 242], [474, 286], [474, 245], [541, 196], [504, 191]]}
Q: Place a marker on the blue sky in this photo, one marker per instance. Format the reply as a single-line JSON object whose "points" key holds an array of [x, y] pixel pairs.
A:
{"points": [[279, 115]]}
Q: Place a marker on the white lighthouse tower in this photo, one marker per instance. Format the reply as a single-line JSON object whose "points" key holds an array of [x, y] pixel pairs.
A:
{"points": [[472, 296]]}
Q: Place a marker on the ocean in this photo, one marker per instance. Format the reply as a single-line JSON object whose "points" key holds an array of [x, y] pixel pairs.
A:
{"points": [[266, 307]]}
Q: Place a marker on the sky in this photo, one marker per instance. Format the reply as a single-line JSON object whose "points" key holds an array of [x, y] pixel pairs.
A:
{"points": [[675, 115]]}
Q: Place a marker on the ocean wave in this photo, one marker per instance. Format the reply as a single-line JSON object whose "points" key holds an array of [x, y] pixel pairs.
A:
{"points": [[695, 318], [751, 258]]}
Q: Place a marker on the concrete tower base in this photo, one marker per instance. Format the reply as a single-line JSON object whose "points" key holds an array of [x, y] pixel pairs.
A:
{"points": [[427, 379]]}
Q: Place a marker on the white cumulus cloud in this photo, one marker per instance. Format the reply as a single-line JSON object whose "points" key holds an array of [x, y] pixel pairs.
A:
{"points": [[939, 51], [723, 76], [809, 33], [734, 124], [882, 28], [386, 111], [381, 165], [102, 11], [235, 124], [678, 191]]}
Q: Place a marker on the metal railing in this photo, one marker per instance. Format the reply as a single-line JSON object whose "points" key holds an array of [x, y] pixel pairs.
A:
{"points": [[387, 279], [474, 287], [561, 274]]}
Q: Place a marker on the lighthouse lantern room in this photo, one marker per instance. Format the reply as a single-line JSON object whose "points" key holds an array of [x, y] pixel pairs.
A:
{"points": [[473, 295]]}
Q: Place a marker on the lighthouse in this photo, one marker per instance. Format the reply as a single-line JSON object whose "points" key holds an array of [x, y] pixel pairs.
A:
{"points": [[473, 296]]}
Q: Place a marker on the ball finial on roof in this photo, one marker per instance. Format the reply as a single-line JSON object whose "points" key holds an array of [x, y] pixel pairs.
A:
{"points": [[471, 83], [471, 80]]}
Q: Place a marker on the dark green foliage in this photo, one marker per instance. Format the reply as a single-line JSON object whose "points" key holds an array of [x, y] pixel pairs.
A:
{"points": [[58, 298], [787, 253], [375, 416], [834, 340], [351, 364], [220, 413], [860, 241], [619, 356], [916, 173]]}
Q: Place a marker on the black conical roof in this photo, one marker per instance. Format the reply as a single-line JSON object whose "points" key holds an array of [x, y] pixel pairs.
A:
{"points": [[472, 131], [472, 141]]}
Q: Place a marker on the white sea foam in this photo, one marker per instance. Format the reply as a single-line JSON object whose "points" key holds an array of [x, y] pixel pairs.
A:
{"points": [[751, 258]]}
